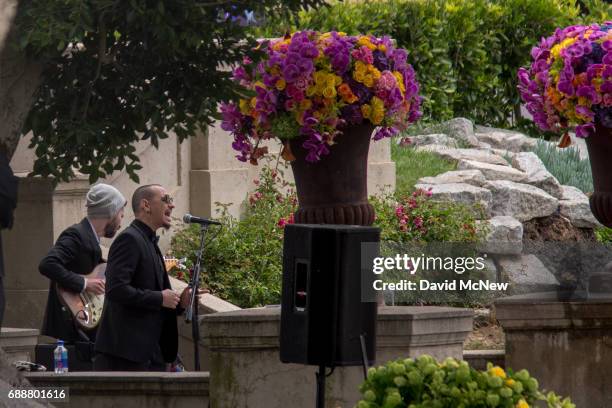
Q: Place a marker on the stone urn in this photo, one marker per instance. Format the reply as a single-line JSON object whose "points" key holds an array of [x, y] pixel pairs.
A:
{"points": [[600, 155], [334, 189]]}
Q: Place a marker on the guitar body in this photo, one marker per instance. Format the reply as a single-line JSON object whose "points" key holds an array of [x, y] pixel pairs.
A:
{"points": [[85, 308]]}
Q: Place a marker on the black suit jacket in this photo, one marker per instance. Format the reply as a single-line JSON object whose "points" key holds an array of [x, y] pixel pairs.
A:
{"points": [[75, 253], [8, 200], [134, 324]]}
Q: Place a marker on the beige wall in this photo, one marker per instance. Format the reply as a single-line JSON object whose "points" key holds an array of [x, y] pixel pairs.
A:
{"points": [[199, 172]]}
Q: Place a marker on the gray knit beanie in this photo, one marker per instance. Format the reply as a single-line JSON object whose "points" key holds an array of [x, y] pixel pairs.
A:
{"points": [[104, 201]]}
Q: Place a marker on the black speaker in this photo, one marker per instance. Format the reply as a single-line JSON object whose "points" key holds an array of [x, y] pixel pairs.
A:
{"points": [[322, 312]]}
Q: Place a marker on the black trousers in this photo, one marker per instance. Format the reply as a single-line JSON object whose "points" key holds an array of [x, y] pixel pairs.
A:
{"points": [[106, 362]]}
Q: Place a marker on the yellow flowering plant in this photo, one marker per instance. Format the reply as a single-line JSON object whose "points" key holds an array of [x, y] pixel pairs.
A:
{"points": [[313, 85], [426, 383]]}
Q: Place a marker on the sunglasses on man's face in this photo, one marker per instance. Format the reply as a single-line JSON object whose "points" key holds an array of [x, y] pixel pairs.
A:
{"points": [[167, 198]]}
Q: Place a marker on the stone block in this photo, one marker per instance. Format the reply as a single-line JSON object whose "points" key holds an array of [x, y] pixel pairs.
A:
{"points": [[472, 177], [493, 171], [521, 201], [537, 174]]}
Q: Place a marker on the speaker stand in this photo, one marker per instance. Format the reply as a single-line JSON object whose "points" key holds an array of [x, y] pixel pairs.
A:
{"points": [[321, 387], [364, 356]]}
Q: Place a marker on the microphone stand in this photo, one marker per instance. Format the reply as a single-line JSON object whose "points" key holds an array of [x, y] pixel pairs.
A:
{"points": [[191, 314]]}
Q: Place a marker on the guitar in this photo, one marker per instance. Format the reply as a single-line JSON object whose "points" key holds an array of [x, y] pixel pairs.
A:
{"points": [[86, 308]]}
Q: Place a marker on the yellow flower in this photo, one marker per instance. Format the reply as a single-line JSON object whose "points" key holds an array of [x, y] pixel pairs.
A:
{"points": [[280, 84], [522, 404], [556, 50], [359, 76], [496, 371], [311, 90], [319, 77], [329, 92], [382, 47], [305, 104], [368, 81], [244, 107], [377, 118], [253, 102], [510, 382], [400, 80], [366, 110], [360, 67]]}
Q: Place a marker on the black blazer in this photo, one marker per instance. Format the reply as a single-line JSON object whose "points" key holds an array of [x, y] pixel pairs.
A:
{"points": [[75, 253], [8, 200], [134, 324]]}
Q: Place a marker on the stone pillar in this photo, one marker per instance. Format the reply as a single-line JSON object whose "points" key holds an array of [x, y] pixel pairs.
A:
{"points": [[42, 213], [566, 346], [246, 370]]}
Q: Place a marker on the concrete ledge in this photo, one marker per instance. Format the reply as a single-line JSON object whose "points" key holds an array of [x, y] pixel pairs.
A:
{"points": [[478, 359], [131, 389], [18, 344], [567, 346], [544, 310]]}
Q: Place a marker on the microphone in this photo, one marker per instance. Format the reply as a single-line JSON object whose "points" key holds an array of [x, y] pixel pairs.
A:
{"points": [[191, 219]]}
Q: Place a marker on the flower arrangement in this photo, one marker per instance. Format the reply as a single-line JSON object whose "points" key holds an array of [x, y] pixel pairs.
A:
{"points": [[569, 82], [425, 382], [314, 85]]}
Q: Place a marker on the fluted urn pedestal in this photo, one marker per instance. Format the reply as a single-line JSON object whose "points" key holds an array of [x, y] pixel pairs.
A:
{"points": [[334, 189]]}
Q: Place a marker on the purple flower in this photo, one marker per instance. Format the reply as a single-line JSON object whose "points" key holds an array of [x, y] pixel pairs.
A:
{"points": [[584, 111], [566, 87], [352, 114], [232, 118], [588, 92], [381, 62], [399, 57], [291, 73], [585, 130]]}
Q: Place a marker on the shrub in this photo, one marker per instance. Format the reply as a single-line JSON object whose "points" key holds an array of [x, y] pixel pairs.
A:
{"points": [[566, 165], [466, 52], [426, 383], [243, 261], [418, 218]]}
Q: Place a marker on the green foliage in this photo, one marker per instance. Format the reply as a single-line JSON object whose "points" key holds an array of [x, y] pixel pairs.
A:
{"points": [[411, 165], [426, 383], [604, 235], [118, 71], [418, 218], [566, 165], [466, 52], [244, 261]]}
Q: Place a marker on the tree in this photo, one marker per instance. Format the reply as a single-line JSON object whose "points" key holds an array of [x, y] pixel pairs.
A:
{"points": [[93, 77]]}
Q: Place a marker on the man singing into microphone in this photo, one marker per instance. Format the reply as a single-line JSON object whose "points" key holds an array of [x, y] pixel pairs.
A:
{"points": [[138, 330]]}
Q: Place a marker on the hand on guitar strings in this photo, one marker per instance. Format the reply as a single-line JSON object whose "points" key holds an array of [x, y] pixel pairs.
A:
{"points": [[95, 286]]}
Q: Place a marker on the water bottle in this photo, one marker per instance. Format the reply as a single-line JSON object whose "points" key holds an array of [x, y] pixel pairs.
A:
{"points": [[60, 358]]}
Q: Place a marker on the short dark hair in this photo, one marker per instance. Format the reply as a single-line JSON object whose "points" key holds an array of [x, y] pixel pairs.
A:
{"points": [[142, 192]]}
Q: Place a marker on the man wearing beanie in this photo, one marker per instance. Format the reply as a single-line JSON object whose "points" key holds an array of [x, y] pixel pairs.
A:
{"points": [[76, 253]]}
